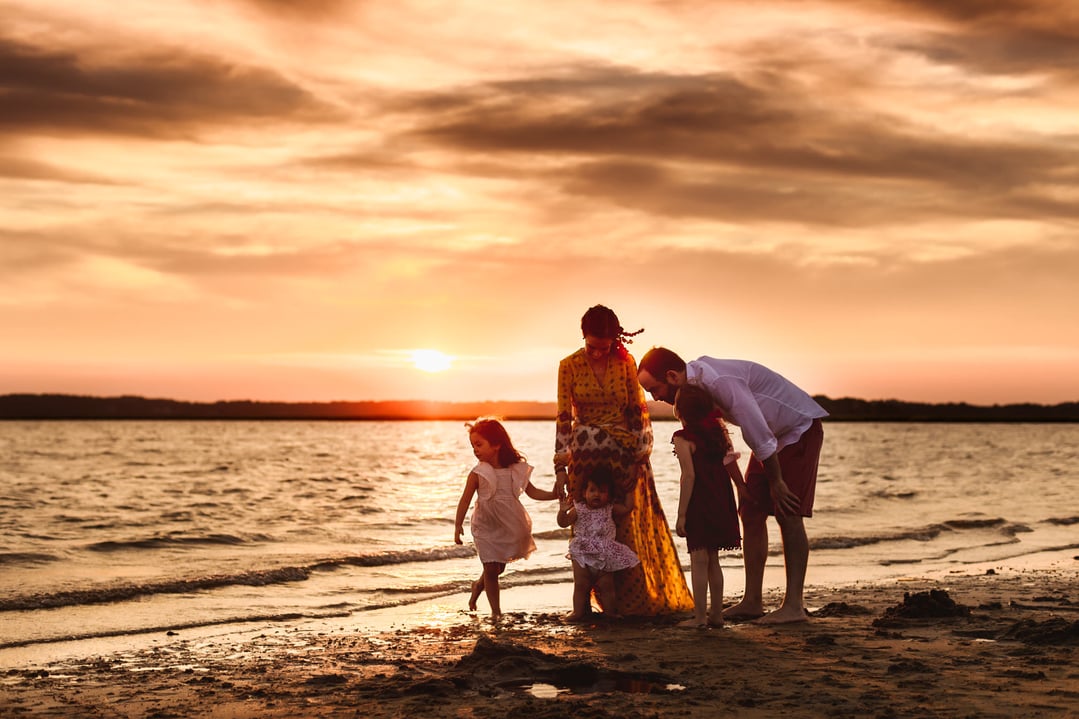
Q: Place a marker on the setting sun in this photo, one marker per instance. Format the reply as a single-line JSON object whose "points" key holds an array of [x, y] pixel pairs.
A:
{"points": [[431, 360]]}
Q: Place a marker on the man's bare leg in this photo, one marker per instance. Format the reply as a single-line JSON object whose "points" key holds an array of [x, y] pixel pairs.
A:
{"points": [[754, 556], [795, 564]]}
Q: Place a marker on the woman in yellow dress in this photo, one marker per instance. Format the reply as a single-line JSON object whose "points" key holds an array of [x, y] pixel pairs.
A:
{"points": [[603, 419]]}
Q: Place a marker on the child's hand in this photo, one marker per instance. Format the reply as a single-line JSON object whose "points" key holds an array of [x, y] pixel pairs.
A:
{"points": [[457, 536]]}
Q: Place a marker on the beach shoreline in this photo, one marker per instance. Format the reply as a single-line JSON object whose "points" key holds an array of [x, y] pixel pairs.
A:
{"points": [[999, 640]]}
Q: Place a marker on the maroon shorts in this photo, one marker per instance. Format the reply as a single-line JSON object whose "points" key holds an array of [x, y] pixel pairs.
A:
{"points": [[798, 462]]}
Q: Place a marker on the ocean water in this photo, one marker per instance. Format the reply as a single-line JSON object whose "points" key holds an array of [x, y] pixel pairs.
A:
{"points": [[110, 528]]}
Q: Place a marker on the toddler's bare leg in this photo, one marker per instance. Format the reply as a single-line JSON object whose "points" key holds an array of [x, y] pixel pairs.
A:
{"points": [[605, 590], [582, 592]]}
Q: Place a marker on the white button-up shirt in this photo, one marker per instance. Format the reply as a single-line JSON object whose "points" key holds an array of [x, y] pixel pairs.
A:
{"points": [[771, 411]]}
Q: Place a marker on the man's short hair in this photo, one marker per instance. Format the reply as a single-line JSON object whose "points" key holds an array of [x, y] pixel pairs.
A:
{"points": [[660, 360]]}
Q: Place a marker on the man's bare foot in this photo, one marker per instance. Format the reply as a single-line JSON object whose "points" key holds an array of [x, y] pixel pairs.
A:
{"points": [[693, 624], [575, 617], [744, 610], [784, 615]]}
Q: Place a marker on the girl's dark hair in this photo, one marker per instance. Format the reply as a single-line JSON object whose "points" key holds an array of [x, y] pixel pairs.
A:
{"points": [[493, 431], [693, 405], [600, 321], [602, 476]]}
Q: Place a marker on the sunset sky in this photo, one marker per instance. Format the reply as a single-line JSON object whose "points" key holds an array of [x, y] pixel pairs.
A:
{"points": [[273, 200]]}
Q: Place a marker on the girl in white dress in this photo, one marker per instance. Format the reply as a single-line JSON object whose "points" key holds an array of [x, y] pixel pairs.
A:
{"points": [[501, 527], [594, 551]]}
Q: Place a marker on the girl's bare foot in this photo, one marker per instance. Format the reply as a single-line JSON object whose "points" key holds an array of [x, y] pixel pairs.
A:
{"points": [[714, 621], [477, 589], [693, 624]]}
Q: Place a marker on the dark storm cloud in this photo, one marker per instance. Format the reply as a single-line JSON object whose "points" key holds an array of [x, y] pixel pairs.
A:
{"points": [[1006, 37], [730, 148], [1003, 13], [152, 95]]}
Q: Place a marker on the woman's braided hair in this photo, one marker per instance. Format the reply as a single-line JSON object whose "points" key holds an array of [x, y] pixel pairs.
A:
{"points": [[600, 321]]}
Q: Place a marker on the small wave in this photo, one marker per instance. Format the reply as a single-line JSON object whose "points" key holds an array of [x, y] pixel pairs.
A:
{"points": [[553, 534], [918, 534], [886, 494], [412, 595], [1063, 521], [130, 591], [250, 578], [923, 534], [981, 560], [405, 556], [974, 523], [517, 578], [284, 617], [167, 541], [26, 558]]}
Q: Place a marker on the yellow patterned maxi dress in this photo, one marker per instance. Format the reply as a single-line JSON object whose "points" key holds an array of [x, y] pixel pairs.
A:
{"points": [[609, 424]]}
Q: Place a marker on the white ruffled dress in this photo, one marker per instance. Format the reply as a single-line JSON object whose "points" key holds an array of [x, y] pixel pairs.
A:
{"points": [[501, 526]]}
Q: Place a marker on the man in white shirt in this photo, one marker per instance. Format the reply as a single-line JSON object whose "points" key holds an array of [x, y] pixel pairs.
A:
{"points": [[781, 423]]}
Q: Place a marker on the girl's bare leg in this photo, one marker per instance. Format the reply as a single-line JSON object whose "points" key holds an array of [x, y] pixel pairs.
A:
{"points": [[698, 566], [715, 590], [477, 589], [491, 570]]}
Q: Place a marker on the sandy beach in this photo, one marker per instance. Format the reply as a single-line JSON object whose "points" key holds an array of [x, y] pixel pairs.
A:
{"points": [[998, 641]]}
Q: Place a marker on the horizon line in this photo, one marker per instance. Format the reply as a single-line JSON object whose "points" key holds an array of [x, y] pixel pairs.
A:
{"points": [[490, 401]]}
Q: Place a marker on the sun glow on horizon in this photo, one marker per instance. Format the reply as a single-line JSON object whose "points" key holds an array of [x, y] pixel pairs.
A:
{"points": [[431, 360]]}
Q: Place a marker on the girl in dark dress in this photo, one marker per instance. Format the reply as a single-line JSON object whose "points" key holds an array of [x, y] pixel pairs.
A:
{"points": [[707, 513]]}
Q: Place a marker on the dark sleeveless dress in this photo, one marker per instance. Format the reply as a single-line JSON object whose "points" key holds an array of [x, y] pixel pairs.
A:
{"points": [[712, 516]]}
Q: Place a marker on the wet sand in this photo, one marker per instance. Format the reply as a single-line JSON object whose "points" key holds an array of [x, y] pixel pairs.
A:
{"points": [[998, 642]]}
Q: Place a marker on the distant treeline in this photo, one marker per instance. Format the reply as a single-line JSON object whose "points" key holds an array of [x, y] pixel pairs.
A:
{"points": [[60, 406]]}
